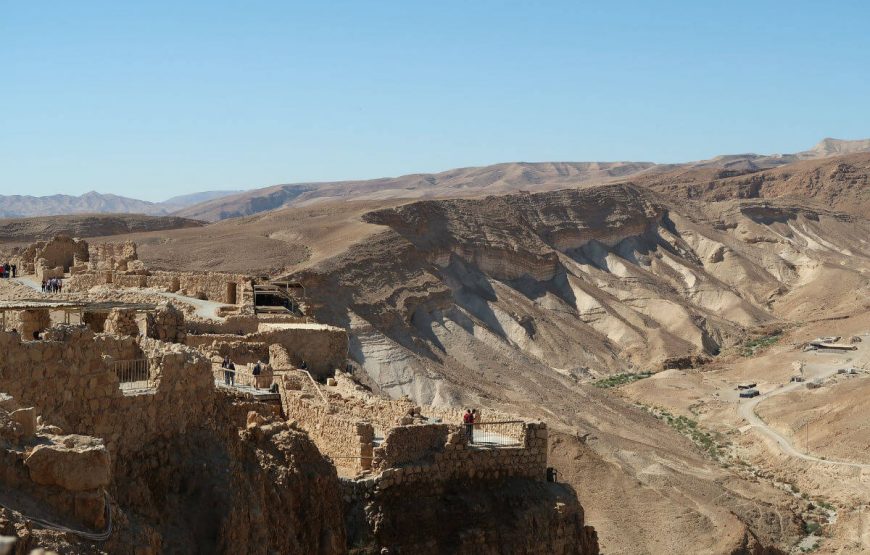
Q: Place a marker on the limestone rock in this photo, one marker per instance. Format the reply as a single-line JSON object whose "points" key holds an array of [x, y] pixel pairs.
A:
{"points": [[26, 418], [80, 463]]}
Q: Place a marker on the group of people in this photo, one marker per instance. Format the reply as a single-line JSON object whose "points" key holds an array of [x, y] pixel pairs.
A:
{"points": [[53, 285], [8, 270], [230, 372], [468, 420]]}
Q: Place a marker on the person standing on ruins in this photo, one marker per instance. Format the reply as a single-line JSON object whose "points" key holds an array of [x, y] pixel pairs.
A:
{"points": [[14, 270], [227, 374], [256, 371], [468, 420]]}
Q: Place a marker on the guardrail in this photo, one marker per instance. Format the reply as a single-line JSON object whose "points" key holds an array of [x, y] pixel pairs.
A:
{"points": [[133, 374], [243, 375], [506, 433]]}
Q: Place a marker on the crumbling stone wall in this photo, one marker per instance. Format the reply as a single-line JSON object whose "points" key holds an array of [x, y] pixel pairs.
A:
{"points": [[112, 256], [233, 289], [455, 458], [347, 441], [240, 324], [66, 472], [122, 321], [30, 321], [44, 271], [233, 346], [166, 323], [323, 348], [67, 380], [61, 251]]}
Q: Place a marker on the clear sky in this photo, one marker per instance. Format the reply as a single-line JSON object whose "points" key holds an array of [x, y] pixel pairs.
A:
{"points": [[156, 98]]}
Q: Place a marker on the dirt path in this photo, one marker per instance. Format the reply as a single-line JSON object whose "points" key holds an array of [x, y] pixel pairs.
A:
{"points": [[203, 309], [747, 412]]}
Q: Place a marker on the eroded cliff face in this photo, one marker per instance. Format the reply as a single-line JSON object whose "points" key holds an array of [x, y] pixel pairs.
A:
{"points": [[516, 302], [484, 516]]}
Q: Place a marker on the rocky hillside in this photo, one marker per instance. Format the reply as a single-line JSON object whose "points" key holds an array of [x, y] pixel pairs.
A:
{"points": [[841, 183], [518, 301], [24, 230]]}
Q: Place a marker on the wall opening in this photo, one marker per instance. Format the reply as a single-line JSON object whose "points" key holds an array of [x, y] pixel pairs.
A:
{"points": [[175, 285], [232, 292]]}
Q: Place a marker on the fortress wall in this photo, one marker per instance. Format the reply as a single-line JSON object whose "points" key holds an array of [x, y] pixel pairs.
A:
{"points": [[68, 381], [112, 256], [455, 459], [323, 348], [233, 289], [347, 441], [236, 324], [64, 472]]}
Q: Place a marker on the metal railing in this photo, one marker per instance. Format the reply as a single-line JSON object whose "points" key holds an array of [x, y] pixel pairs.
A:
{"points": [[242, 376], [507, 433], [133, 374]]}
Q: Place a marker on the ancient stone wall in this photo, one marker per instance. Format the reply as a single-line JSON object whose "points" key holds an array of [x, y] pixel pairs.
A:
{"points": [[61, 251], [122, 321], [323, 348], [347, 441], [456, 459], [44, 271], [66, 472], [112, 256], [30, 321], [233, 289], [235, 324], [67, 380], [237, 348], [166, 323]]}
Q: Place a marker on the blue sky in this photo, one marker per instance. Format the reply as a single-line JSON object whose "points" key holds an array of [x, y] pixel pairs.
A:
{"points": [[153, 99]]}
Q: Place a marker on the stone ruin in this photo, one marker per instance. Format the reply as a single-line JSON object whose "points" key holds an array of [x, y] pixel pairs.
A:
{"points": [[105, 419], [53, 258], [114, 257], [392, 440]]}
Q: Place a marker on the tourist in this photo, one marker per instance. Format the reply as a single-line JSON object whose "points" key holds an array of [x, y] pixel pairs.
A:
{"points": [[231, 370], [304, 365], [468, 420], [43, 286], [226, 366], [256, 371], [14, 270]]}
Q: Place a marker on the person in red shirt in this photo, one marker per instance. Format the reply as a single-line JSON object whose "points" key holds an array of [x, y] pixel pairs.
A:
{"points": [[468, 420]]}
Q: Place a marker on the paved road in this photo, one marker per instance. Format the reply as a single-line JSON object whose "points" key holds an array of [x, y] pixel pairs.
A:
{"points": [[747, 411]]}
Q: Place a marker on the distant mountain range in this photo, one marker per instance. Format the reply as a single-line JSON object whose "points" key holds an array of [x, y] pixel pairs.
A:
{"points": [[462, 182], [17, 206]]}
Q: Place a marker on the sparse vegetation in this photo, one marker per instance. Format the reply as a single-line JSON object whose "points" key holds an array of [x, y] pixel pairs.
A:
{"points": [[689, 428], [754, 346], [620, 379]]}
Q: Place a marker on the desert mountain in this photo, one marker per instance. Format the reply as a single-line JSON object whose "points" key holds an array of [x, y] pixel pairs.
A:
{"points": [[472, 182], [499, 179], [18, 206]]}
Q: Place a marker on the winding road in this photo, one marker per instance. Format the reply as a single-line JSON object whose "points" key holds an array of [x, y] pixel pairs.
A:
{"points": [[747, 411]]}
